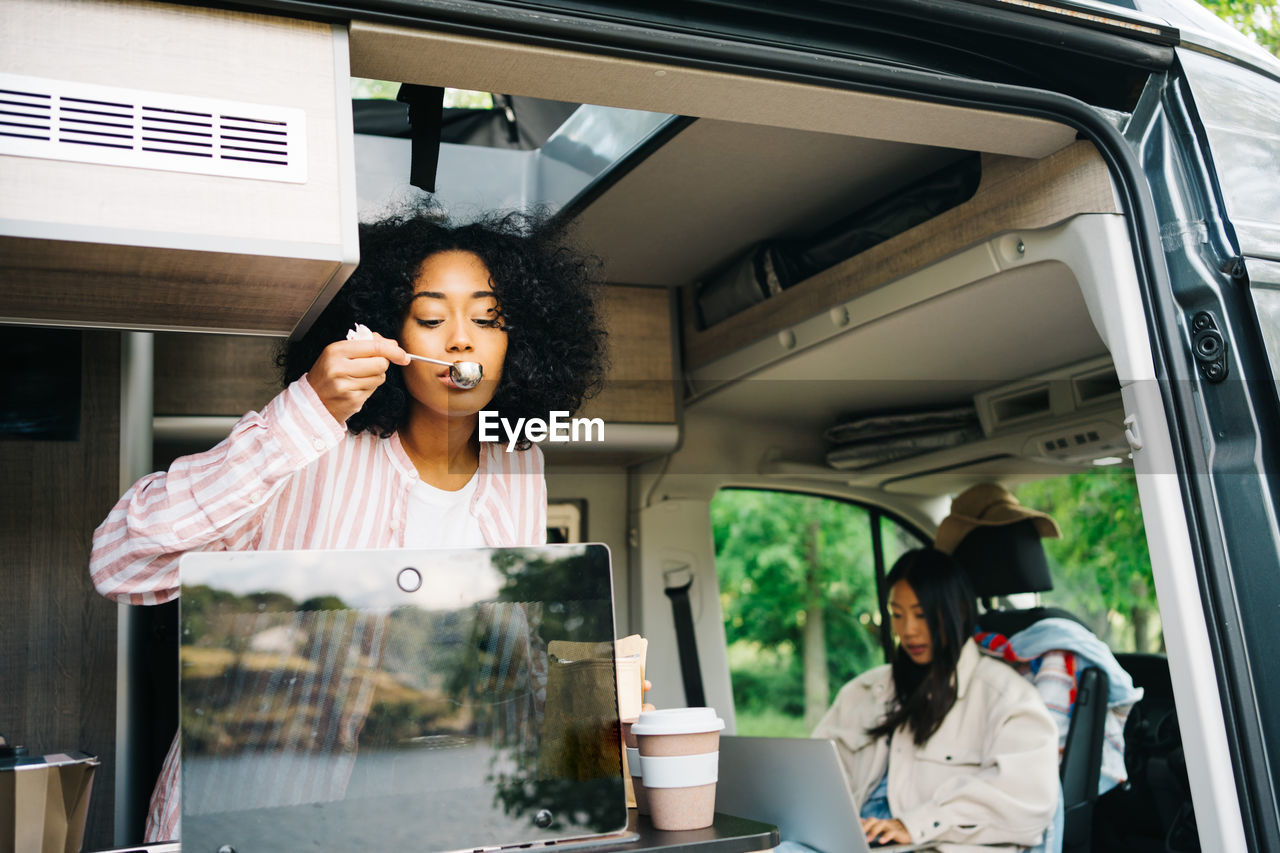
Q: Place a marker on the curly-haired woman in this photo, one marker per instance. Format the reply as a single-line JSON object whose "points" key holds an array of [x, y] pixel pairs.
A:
{"points": [[365, 448]]}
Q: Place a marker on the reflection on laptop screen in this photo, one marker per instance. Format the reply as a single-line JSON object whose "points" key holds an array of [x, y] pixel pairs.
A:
{"points": [[398, 700]]}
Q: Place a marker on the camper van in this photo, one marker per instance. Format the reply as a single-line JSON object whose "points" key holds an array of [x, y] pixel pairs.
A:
{"points": [[865, 255]]}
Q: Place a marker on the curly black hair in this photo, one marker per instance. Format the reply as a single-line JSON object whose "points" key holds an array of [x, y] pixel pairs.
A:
{"points": [[546, 292]]}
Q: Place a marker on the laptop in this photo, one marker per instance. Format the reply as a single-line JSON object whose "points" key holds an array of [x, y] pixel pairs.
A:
{"points": [[432, 701], [797, 784]]}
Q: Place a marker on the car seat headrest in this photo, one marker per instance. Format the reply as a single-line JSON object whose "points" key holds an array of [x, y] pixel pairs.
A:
{"points": [[1004, 560]]}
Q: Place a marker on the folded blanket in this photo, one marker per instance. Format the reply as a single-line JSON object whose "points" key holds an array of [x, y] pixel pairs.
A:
{"points": [[1051, 653]]}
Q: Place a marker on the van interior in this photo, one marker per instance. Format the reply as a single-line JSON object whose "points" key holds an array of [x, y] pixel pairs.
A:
{"points": [[992, 283]]}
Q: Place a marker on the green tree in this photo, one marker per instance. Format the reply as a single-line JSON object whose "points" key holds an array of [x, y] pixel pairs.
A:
{"points": [[798, 592], [1101, 565], [1255, 18], [386, 90], [323, 602]]}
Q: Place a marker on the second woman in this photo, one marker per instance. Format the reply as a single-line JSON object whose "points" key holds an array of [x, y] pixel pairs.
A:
{"points": [[944, 745]]}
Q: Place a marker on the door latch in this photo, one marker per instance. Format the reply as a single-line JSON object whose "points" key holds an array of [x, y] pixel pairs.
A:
{"points": [[1208, 347]]}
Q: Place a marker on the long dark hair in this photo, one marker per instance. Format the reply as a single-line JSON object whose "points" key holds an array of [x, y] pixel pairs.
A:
{"points": [[924, 694], [547, 295]]}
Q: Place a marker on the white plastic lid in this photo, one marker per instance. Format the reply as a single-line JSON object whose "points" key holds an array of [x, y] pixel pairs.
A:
{"points": [[677, 721]]}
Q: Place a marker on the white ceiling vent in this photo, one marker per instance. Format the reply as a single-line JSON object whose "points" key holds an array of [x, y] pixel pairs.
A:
{"points": [[85, 123], [1055, 395]]}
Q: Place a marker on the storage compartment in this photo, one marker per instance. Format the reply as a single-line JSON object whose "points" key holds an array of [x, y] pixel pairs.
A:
{"points": [[1015, 194], [170, 167]]}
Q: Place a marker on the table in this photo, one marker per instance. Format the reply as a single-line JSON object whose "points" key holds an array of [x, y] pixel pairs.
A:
{"points": [[728, 834]]}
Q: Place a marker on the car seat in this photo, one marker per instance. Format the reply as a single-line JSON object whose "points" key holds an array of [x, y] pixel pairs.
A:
{"points": [[1003, 560], [1152, 811]]}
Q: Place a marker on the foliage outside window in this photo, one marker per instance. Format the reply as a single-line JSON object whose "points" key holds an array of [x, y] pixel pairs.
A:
{"points": [[1101, 567], [798, 590], [1255, 18], [798, 593], [387, 89]]}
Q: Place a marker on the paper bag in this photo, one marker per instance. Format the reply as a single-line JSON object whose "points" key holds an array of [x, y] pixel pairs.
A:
{"points": [[579, 740], [630, 655], [629, 658], [44, 802]]}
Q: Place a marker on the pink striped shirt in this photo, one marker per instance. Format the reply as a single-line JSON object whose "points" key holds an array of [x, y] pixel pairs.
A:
{"points": [[289, 477]]}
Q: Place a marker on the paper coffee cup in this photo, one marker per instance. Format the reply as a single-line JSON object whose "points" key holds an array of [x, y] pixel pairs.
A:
{"points": [[679, 757], [638, 790]]}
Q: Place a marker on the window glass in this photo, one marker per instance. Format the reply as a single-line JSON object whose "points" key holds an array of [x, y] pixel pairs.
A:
{"points": [[387, 90], [1240, 112], [798, 592], [1101, 568], [1265, 284]]}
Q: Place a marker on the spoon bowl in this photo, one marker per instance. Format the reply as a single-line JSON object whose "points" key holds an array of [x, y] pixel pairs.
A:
{"points": [[464, 374]]}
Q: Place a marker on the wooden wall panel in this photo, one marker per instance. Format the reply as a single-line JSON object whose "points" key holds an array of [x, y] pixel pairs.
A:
{"points": [[641, 387], [57, 635], [214, 374], [233, 374], [143, 287]]}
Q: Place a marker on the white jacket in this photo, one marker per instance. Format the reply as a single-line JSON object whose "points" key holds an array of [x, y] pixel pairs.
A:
{"points": [[989, 774]]}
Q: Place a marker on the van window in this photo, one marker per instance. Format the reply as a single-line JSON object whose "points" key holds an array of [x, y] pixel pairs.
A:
{"points": [[386, 90], [799, 595], [1101, 567], [1264, 282]]}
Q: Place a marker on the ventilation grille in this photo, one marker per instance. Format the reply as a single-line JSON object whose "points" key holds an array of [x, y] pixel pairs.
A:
{"points": [[1060, 393], [61, 120]]}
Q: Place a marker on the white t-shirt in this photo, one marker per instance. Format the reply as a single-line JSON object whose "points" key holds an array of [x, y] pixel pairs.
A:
{"points": [[440, 519]]}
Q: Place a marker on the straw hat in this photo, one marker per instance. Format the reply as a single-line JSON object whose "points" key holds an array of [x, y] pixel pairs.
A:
{"points": [[988, 505]]}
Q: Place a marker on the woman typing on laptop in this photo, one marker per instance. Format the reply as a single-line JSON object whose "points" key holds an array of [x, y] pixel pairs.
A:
{"points": [[366, 448], [944, 746]]}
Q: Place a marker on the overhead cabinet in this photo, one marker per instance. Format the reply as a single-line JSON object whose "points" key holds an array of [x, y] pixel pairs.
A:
{"points": [[172, 167]]}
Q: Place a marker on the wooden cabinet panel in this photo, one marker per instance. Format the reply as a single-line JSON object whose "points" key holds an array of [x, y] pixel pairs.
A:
{"points": [[141, 245], [57, 635], [203, 375], [642, 385]]}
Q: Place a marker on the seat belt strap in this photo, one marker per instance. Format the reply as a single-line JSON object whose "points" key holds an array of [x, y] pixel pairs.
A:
{"points": [[690, 671], [426, 117]]}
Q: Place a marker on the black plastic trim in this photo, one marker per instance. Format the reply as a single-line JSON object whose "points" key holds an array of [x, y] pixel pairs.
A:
{"points": [[882, 592], [960, 38], [1225, 514]]}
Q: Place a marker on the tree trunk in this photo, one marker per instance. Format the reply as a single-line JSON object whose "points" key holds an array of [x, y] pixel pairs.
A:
{"points": [[817, 692], [1141, 618]]}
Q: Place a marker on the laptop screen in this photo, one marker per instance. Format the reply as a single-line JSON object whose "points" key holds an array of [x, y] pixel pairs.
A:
{"points": [[398, 700]]}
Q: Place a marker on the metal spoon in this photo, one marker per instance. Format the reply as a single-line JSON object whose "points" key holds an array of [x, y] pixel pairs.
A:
{"points": [[464, 374]]}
